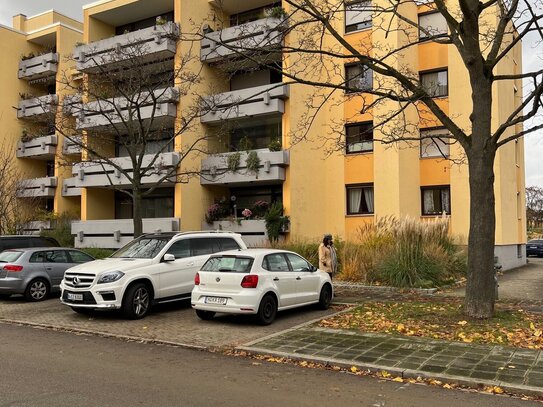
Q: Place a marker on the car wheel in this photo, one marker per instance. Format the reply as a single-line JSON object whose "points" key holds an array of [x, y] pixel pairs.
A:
{"points": [[37, 290], [205, 315], [4, 296], [325, 298], [267, 311], [83, 311], [136, 301]]}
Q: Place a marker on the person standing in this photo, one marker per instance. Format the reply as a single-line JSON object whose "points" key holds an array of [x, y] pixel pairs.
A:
{"points": [[327, 255]]}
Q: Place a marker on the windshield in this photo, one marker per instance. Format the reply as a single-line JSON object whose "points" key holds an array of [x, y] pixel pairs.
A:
{"points": [[232, 264], [9, 256], [143, 248]]}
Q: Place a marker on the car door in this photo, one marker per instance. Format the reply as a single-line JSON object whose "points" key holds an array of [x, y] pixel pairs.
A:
{"points": [[56, 262], [282, 278], [174, 277], [307, 281]]}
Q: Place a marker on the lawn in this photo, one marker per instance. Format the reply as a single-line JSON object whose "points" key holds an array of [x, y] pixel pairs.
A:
{"points": [[443, 320]]}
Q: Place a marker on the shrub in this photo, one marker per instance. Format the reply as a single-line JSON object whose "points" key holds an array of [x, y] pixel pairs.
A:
{"points": [[61, 228], [216, 212], [275, 222], [98, 253], [233, 161], [260, 208], [253, 162], [275, 145]]}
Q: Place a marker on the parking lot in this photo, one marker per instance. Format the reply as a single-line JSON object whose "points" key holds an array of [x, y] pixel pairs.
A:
{"points": [[175, 323]]}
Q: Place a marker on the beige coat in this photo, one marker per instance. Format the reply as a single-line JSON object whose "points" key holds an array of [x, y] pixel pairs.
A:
{"points": [[325, 258]]}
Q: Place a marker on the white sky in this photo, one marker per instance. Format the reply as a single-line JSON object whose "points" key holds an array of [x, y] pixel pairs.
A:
{"points": [[73, 8]]}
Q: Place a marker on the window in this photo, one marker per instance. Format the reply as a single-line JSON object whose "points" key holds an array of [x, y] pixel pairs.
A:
{"points": [[359, 137], [229, 264], [202, 246], [436, 200], [79, 257], [297, 263], [180, 249], [228, 244], [275, 262], [435, 83], [141, 24], [434, 143], [357, 15], [433, 24], [159, 204], [252, 15], [359, 199], [358, 78], [51, 256]]}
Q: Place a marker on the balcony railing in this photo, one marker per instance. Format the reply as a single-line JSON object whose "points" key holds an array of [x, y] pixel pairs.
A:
{"points": [[38, 109], [42, 148], [107, 113], [42, 66], [35, 227], [70, 147], [252, 231], [115, 233], [93, 174], [271, 169], [144, 46], [261, 35], [259, 101], [69, 187], [37, 188]]}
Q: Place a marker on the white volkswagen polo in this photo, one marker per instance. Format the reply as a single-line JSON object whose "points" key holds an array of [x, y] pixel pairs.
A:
{"points": [[260, 282]]}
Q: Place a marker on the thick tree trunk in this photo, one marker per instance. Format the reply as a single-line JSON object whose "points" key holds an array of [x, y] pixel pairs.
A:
{"points": [[480, 292], [137, 213]]}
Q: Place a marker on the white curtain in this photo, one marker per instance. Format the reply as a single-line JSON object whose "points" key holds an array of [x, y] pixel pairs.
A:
{"points": [[368, 196], [446, 200], [358, 12], [355, 198], [429, 202]]}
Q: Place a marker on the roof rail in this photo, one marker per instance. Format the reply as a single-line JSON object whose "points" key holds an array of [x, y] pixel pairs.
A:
{"points": [[195, 232]]}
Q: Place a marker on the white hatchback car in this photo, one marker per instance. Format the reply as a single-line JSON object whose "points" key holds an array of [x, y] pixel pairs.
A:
{"points": [[156, 267], [258, 281]]}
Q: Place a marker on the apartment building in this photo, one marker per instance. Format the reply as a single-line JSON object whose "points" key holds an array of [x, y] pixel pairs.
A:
{"points": [[253, 114]]}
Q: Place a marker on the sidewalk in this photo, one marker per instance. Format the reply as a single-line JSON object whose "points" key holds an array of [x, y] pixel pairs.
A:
{"points": [[512, 369]]}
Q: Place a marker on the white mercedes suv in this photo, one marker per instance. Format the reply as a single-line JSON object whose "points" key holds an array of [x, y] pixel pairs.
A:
{"points": [[158, 267]]}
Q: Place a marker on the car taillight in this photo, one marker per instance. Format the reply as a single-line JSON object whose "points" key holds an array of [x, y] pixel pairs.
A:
{"points": [[13, 268], [197, 279], [250, 281]]}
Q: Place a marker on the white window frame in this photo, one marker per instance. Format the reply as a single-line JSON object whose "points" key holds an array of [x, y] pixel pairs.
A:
{"points": [[362, 81], [357, 15], [440, 86], [436, 146], [434, 23]]}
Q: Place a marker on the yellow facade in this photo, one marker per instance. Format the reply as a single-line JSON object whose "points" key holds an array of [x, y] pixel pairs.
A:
{"points": [[314, 188]]}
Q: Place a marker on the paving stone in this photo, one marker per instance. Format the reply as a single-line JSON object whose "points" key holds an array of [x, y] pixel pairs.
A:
{"points": [[512, 379], [483, 375], [364, 358], [458, 372], [433, 368]]}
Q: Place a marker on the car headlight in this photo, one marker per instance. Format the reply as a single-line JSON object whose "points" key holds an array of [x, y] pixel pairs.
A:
{"points": [[110, 277]]}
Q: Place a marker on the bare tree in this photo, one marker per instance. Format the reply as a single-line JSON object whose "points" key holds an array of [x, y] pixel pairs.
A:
{"points": [[534, 206], [483, 33]]}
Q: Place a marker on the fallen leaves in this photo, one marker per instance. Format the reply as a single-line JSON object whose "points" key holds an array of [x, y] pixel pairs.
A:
{"points": [[445, 321]]}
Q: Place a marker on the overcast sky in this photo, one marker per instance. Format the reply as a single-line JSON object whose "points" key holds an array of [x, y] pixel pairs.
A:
{"points": [[72, 8]]}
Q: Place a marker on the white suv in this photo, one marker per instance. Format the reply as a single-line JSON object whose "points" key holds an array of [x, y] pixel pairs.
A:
{"points": [[158, 267]]}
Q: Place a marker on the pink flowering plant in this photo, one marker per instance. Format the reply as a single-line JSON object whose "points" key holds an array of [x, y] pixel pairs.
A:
{"points": [[216, 212], [260, 208], [247, 213]]}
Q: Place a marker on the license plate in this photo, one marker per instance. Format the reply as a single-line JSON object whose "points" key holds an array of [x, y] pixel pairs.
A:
{"points": [[216, 300], [75, 297], [532, 247]]}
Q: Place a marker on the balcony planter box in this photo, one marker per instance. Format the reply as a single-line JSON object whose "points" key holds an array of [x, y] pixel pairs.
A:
{"points": [[69, 187], [43, 148], [42, 66], [37, 187], [253, 231], [37, 108]]}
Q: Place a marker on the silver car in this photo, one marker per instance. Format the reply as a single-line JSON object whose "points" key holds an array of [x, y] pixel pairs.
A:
{"points": [[36, 272]]}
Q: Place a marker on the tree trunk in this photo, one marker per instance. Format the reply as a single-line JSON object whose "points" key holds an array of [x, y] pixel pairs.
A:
{"points": [[136, 213], [480, 289]]}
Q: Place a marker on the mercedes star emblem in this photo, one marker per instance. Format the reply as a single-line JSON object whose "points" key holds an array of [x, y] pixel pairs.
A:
{"points": [[76, 281]]}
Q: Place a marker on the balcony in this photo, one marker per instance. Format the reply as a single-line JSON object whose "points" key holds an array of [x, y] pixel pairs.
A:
{"points": [[35, 227], [257, 36], [93, 174], [259, 101], [70, 147], [108, 113], [271, 169], [144, 46], [69, 187], [38, 109], [40, 148], [37, 188], [40, 67], [115, 233]]}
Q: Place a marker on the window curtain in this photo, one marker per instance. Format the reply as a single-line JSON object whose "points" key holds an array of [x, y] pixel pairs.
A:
{"points": [[446, 200], [355, 199], [429, 207], [358, 12], [368, 196]]}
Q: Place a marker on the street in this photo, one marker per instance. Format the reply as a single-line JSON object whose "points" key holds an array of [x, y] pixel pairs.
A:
{"points": [[48, 368]]}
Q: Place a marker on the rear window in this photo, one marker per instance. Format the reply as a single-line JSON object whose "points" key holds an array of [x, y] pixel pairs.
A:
{"points": [[9, 256], [233, 264]]}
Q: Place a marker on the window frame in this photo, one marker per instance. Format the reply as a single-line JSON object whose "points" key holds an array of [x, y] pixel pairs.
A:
{"points": [[433, 188], [448, 143], [72, 260], [426, 13], [432, 71], [359, 26], [265, 263], [365, 69], [362, 186], [358, 124]]}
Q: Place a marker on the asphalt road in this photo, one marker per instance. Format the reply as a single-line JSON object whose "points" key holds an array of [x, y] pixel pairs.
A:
{"points": [[47, 368]]}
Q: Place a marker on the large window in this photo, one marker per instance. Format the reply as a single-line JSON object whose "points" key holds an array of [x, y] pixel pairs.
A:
{"points": [[360, 199], [436, 200], [157, 205], [431, 24], [357, 15], [141, 24], [434, 143], [252, 15], [358, 78], [255, 135], [359, 137], [435, 83]]}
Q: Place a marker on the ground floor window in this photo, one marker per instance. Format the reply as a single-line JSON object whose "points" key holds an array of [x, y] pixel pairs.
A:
{"points": [[360, 199], [241, 198], [436, 200], [159, 204]]}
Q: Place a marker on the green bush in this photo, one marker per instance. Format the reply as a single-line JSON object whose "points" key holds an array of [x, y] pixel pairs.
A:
{"points": [[98, 253], [61, 228]]}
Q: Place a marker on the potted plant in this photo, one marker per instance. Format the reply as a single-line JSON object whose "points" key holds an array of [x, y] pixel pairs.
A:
{"points": [[253, 163], [276, 222]]}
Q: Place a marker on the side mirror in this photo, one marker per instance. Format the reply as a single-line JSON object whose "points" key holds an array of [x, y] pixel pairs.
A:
{"points": [[313, 268], [168, 257]]}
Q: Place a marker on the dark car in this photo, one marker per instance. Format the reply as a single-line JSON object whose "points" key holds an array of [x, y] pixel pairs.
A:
{"points": [[36, 272], [24, 241], [534, 248]]}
